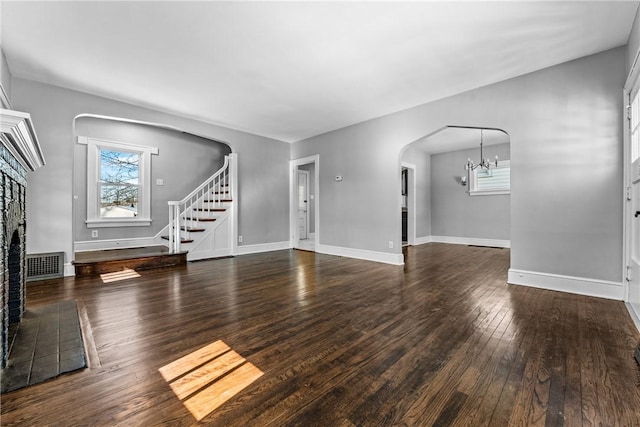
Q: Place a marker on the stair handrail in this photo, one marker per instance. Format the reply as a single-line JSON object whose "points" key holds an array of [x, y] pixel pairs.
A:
{"points": [[204, 184], [181, 210]]}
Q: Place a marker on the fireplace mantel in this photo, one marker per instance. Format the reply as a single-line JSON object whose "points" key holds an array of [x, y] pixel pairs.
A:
{"points": [[19, 137], [19, 153]]}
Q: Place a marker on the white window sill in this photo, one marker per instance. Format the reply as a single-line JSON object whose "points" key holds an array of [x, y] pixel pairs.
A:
{"points": [[98, 223], [489, 193]]}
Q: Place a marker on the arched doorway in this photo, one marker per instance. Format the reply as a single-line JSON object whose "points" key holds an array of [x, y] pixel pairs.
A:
{"points": [[439, 199]]}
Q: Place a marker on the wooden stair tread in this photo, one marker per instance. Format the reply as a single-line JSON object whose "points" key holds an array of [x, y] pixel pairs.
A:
{"points": [[218, 201], [181, 240], [211, 209], [192, 229], [190, 218]]}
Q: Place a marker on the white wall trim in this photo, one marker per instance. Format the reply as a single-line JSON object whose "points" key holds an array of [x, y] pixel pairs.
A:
{"points": [[262, 247], [69, 269], [634, 315], [471, 241], [570, 284], [97, 245], [423, 240], [384, 257]]}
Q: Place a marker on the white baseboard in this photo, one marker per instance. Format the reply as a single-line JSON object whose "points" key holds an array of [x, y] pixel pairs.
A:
{"points": [[422, 240], [570, 284], [635, 316], [263, 247], [387, 258], [496, 243], [96, 245], [69, 269]]}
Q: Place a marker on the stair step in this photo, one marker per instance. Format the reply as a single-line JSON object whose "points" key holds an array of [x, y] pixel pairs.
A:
{"points": [[190, 218], [192, 229], [181, 240], [94, 263], [211, 209], [220, 192], [218, 201]]}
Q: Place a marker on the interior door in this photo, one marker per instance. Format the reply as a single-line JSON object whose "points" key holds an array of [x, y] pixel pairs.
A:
{"points": [[303, 197], [633, 199]]}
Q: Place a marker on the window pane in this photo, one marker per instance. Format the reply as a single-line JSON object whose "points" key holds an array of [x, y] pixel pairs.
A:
{"points": [[119, 167], [494, 179], [118, 201]]}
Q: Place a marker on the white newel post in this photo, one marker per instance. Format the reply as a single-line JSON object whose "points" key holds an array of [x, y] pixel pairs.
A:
{"points": [[233, 182], [174, 224]]}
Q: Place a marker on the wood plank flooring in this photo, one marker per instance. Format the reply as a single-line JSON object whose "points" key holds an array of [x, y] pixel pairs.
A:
{"points": [[442, 340]]}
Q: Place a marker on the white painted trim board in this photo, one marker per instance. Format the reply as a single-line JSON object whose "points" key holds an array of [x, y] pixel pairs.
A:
{"points": [[384, 257], [569, 284]]}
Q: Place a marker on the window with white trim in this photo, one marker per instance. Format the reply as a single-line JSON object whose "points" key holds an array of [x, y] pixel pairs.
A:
{"points": [[487, 182], [118, 183]]}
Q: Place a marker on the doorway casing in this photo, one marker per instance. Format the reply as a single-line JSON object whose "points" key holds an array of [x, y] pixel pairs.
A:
{"points": [[411, 201], [294, 238]]}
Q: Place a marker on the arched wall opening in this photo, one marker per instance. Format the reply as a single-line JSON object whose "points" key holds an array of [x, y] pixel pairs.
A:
{"points": [[436, 204], [180, 161]]}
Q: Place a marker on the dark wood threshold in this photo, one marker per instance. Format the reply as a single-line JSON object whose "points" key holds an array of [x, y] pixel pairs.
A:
{"points": [[94, 263]]}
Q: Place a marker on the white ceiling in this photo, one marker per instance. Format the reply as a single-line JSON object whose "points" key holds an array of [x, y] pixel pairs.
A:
{"points": [[291, 70]]}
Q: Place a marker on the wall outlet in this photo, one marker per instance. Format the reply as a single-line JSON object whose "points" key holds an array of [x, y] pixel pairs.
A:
{"points": [[239, 239], [94, 233], [390, 244]]}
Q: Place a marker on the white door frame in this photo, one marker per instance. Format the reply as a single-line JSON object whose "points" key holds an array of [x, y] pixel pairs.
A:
{"points": [[411, 202], [307, 192], [293, 197], [631, 85]]}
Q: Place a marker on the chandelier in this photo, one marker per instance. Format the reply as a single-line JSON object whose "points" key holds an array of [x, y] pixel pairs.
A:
{"points": [[484, 163]]}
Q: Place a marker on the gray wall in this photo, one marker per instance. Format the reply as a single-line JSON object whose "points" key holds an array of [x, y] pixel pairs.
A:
{"points": [[634, 41], [183, 162], [263, 205], [456, 214], [5, 75], [311, 206], [422, 161], [565, 124]]}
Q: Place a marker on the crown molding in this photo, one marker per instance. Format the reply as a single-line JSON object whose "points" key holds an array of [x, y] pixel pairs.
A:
{"points": [[19, 137]]}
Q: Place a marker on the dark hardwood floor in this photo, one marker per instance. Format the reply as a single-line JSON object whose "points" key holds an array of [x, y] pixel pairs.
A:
{"points": [[440, 341]]}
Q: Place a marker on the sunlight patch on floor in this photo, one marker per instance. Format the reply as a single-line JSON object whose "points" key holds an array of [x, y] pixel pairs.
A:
{"points": [[208, 377], [125, 274]]}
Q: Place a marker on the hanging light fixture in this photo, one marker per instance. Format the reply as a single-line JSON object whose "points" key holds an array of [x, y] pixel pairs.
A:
{"points": [[484, 163]]}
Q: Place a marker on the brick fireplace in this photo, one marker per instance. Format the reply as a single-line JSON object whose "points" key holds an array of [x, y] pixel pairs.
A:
{"points": [[12, 241], [19, 153]]}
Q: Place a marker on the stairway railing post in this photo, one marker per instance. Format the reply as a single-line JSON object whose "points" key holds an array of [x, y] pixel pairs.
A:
{"points": [[232, 182]]}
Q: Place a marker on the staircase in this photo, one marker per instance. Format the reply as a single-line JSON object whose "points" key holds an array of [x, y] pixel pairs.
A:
{"points": [[203, 223]]}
